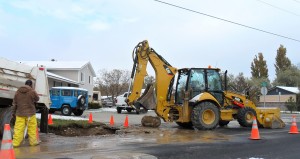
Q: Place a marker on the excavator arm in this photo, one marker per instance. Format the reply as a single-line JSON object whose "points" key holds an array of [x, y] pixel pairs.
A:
{"points": [[164, 77]]}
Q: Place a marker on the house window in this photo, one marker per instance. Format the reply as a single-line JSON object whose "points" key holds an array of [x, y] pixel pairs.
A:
{"points": [[82, 77], [89, 79], [53, 83]]}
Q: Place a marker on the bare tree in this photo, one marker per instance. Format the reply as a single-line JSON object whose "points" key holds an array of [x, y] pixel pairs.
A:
{"points": [[113, 83]]}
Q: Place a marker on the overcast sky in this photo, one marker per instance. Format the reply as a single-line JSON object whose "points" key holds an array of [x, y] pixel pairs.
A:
{"points": [[105, 32]]}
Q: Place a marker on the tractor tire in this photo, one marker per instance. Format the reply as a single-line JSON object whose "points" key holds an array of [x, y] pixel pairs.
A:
{"points": [[6, 118], [66, 110], [245, 116], [223, 123], [205, 116], [188, 125]]}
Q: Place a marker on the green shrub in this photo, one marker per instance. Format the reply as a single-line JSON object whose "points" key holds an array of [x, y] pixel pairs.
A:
{"points": [[94, 105]]}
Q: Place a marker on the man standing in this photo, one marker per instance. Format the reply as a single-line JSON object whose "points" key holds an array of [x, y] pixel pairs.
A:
{"points": [[24, 110]]}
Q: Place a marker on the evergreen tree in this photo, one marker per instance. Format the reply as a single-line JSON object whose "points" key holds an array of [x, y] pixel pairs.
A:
{"points": [[282, 62], [259, 67]]}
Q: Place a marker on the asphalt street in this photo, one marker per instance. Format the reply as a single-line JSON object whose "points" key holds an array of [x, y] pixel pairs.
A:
{"points": [[168, 141]]}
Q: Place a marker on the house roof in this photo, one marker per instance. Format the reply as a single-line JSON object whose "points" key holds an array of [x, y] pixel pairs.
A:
{"points": [[290, 89], [62, 65], [58, 77]]}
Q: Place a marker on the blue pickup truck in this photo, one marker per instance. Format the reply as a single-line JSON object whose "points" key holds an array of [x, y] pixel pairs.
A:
{"points": [[68, 100]]}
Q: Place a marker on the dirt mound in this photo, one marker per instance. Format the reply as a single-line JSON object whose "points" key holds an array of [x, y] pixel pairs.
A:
{"points": [[80, 130]]}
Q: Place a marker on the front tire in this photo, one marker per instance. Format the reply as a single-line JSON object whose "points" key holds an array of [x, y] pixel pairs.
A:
{"points": [[66, 110], [245, 116], [205, 116]]}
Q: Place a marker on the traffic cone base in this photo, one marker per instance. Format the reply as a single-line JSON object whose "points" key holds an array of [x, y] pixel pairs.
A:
{"points": [[254, 132], [112, 122], [294, 128], [126, 122], [7, 151], [50, 122], [90, 118]]}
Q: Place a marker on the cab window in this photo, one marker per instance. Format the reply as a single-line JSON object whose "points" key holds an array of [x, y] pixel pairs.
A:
{"points": [[55, 92], [66, 92]]}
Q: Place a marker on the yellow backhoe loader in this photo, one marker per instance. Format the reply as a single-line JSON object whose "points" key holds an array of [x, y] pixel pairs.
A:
{"points": [[197, 99]]}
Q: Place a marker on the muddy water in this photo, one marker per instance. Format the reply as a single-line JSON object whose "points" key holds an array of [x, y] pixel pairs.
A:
{"points": [[122, 144]]}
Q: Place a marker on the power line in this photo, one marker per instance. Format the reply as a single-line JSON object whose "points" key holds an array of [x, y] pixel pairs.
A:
{"points": [[232, 22], [297, 1], [284, 10]]}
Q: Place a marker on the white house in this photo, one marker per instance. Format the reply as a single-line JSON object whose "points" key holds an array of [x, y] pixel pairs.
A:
{"points": [[68, 73]]}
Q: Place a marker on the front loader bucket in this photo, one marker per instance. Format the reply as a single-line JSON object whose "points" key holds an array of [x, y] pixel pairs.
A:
{"points": [[270, 118]]}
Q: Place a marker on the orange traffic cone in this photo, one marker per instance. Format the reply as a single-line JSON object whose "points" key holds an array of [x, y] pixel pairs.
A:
{"points": [[254, 131], [90, 118], [112, 122], [126, 122], [50, 122], [7, 151], [294, 129]]}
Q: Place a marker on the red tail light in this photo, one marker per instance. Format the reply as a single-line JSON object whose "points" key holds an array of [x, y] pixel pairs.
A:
{"points": [[41, 68]]}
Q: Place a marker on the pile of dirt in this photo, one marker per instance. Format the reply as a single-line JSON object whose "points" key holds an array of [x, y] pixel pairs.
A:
{"points": [[79, 130]]}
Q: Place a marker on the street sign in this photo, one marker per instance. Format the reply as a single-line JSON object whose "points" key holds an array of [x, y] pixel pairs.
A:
{"points": [[264, 91], [264, 84]]}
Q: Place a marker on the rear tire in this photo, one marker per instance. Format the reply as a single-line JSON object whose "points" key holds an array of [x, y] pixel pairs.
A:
{"points": [[205, 116], [6, 118], [245, 116], [66, 110]]}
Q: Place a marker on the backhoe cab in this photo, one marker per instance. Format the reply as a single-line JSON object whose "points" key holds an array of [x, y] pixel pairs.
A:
{"points": [[199, 99]]}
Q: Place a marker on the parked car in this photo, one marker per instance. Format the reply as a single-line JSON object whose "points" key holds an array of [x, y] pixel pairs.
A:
{"points": [[68, 100], [107, 101]]}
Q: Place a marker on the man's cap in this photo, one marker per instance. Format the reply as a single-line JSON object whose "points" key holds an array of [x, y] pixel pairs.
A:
{"points": [[28, 82]]}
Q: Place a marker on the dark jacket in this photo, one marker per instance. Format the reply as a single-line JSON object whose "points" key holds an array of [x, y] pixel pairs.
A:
{"points": [[24, 101]]}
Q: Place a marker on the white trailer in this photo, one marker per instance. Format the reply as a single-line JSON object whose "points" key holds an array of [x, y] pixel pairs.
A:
{"points": [[12, 76]]}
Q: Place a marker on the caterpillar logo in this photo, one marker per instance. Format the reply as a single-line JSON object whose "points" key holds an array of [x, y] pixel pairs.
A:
{"points": [[168, 70]]}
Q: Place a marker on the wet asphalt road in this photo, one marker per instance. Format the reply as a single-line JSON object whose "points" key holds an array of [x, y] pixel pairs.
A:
{"points": [[168, 141]]}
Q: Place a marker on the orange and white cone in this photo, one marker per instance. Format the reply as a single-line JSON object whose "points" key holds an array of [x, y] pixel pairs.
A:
{"points": [[254, 131], [126, 122], [7, 151], [294, 128], [90, 118], [112, 122]]}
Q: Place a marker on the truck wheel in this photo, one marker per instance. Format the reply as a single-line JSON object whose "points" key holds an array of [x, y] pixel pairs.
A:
{"points": [[119, 110], [185, 125], [78, 112], [129, 110], [205, 116], [223, 123], [66, 110], [6, 118], [245, 116]]}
